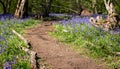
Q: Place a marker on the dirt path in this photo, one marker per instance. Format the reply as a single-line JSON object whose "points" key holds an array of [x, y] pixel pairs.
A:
{"points": [[57, 55]]}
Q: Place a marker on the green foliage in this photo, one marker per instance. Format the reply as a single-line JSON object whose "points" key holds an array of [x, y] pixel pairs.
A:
{"points": [[61, 6], [99, 43], [22, 65], [13, 53], [95, 40], [10, 6]]}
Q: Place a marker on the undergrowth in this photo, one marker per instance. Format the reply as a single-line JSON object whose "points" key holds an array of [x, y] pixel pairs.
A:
{"points": [[98, 43], [11, 55]]}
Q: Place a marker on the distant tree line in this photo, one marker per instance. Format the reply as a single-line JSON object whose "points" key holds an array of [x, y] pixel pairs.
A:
{"points": [[45, 7]]}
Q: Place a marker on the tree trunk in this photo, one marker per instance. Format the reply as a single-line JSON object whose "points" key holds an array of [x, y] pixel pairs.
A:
{"points": [[79, 7], [21, 10], [47, 8], [8, 7], [113, 17], [17, 9], [94, 6]]}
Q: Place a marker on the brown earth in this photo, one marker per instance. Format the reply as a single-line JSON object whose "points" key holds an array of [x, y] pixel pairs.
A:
{"points": [[56, 54]]}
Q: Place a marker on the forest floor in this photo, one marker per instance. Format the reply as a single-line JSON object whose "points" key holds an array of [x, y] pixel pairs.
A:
{"points": [[54, 54]]}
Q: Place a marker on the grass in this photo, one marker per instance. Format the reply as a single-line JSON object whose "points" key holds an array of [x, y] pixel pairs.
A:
{"points": [[94, 42], [11, 55]]}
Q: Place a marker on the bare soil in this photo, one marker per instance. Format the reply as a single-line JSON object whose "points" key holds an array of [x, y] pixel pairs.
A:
{"points": [[54, 53]]}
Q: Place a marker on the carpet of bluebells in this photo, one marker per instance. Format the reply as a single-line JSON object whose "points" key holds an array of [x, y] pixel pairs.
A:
{"points": [[11, 55], [80, 32]]}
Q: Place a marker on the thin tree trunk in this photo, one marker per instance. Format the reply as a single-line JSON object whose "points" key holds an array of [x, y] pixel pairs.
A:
{"points": [[6, 4], [21, 10], [77, 3], [9, 5], [26, 8], [79, 6], [94, 6], [17, 9], [47, 8]]}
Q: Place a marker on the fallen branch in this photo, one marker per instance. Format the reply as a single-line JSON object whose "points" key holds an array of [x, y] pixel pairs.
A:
{"points": [[22, 38], [116, 53], [33, 54]]}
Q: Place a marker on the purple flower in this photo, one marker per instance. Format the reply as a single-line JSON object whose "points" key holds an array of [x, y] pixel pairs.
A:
{"points": [[75, 20], [2, 48], [58, 15], [2, 38], [7, 65], [2, 19]]}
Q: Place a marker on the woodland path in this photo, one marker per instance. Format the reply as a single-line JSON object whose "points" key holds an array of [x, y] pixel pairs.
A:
{"points": [[56, 54]]}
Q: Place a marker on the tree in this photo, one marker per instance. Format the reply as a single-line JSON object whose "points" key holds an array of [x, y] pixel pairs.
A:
{"points": [[94, 6], [6, 4], [22, 9], [47, 7], [79, 6]]}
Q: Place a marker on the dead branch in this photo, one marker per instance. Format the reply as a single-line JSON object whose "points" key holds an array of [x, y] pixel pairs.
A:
{"points": [[20, 36], [116, 53], [109, 7], [32, 54]]}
